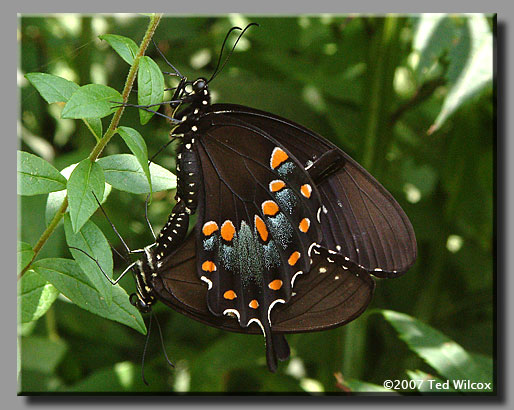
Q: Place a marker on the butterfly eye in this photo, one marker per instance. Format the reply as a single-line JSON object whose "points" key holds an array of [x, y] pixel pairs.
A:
{"points": [[199, 85]]}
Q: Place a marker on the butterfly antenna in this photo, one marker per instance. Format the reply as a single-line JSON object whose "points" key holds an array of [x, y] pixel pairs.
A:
{"points": [[162, 342], [216, 71], [221, 51], [177, 73], [144, 351], [112, 225]]}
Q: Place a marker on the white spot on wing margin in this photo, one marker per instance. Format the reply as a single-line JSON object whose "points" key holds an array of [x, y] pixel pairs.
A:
{"points": [[271, 306], [209, 283], [234, 311], [259, 323], [294, 277]]}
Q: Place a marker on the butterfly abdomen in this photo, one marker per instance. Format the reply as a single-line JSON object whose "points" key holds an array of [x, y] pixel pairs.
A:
{"points": [[188, 173]]}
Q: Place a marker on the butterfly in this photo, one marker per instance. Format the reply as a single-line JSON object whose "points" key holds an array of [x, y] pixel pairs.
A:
{"points": [[289, 227]]}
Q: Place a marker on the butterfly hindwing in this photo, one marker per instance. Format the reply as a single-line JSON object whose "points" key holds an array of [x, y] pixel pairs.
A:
{"points": [[328, 296]]}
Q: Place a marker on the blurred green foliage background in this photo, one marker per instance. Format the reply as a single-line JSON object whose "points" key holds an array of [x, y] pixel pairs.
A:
{"points": [[374, 86]]}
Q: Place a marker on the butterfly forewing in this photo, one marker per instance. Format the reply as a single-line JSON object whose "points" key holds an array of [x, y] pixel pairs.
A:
{"points": [[256, 222], [362, 220]]}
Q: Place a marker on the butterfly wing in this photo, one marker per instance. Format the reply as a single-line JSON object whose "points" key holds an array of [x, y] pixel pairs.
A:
{"points": [[362, 220], [362, 229], [328, 296], [257, 222]]}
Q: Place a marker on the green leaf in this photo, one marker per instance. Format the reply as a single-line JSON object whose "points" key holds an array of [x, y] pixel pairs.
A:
{"points": [[150, 87], [55, 199], [53, 203], [434, 35], [92, 101], [69, 279], [36, 295], [484, 363], [52, 88], [37, 176], [92, 241], [124, 172], [124, 46], [121, 377], [477, 72], [87, 178], [40, 354], [448, 358], [25, 254], [137, 145], [95, 126], [429, 383]]}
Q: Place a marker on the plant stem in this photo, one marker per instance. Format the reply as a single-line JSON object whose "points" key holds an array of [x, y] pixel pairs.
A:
{"points": [[46, 234], [382, 61], [51, 324], [354, 348], [97, 150]]}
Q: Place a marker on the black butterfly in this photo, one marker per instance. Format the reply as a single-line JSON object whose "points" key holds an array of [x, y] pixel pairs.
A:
{"points": [[289, 226]]}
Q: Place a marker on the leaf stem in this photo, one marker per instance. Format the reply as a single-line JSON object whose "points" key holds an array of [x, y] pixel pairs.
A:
{"points": [[97, 150]]}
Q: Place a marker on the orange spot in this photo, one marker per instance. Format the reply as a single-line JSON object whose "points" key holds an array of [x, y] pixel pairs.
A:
{"points": [[208, 266], [294, 258], [275, 285], [304, 225], [306, 190], [261, 228], [230, 295], [269, 208], [254, 304], [209, 228], [228, 231], [278, 157], [276, 185]]}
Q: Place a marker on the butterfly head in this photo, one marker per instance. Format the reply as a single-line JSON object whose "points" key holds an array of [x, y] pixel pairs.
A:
{"points": [[200, 85], [196, 94], [199, 95]]}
